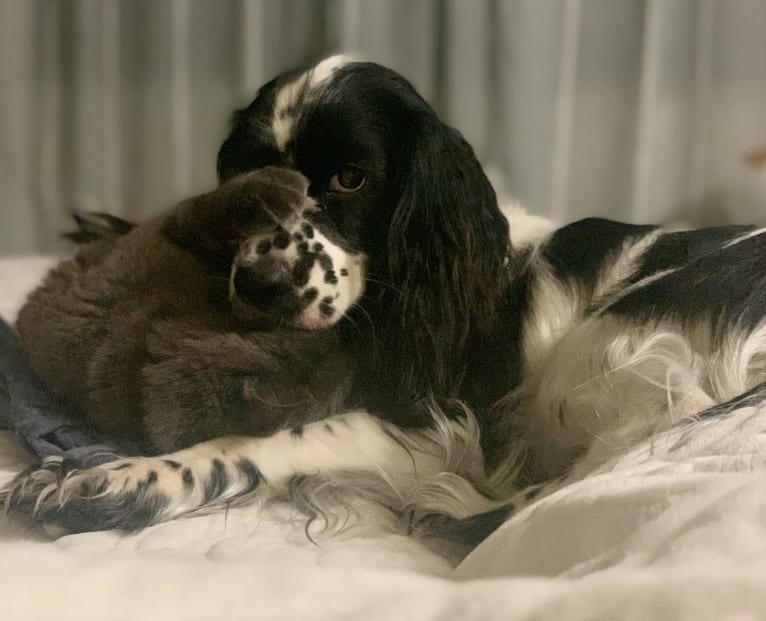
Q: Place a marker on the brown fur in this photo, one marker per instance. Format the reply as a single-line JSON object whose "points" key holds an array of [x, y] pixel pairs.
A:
{"points": [[136, 332]]}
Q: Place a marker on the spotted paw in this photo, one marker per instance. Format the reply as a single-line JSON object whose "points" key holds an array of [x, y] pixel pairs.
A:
{"points": [[119, 494]]}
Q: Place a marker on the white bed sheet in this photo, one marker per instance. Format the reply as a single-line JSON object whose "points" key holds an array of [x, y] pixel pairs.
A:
{"points": [[674, 529]]}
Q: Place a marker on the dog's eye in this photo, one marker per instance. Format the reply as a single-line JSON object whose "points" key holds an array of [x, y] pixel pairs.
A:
{"points": [[350, 179]]}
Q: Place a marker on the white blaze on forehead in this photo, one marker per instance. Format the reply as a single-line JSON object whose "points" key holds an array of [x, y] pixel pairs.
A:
{"points": [[291, 94]]}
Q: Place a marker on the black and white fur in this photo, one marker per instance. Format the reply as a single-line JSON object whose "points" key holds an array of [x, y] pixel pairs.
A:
{"points": [[486, 360]]}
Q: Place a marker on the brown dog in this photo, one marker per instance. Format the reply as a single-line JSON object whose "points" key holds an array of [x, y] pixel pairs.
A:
{"points": [[138, 335]]}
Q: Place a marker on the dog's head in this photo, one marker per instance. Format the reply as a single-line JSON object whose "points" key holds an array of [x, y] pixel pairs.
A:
{"points": [[397, 216]]}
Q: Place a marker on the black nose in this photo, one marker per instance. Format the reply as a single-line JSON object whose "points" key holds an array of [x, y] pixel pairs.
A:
{"points": [[264, 285]]}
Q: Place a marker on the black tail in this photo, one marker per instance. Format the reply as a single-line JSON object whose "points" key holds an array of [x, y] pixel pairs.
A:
{"points": [[752, 397], [470, 531]]}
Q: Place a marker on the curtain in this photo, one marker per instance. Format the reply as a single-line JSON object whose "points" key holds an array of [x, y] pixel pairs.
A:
{"points": [[641, 110]]}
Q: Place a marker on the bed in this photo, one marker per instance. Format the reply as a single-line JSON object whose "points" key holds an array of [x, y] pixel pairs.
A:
{"points": [[672, 529]]}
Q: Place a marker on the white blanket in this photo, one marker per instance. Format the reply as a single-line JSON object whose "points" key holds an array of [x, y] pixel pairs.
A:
{"points": [[673, 529]]}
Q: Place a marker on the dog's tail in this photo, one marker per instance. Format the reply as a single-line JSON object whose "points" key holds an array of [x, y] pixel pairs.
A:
{"points": [[470, 531], [751, 398], [93, 226]]}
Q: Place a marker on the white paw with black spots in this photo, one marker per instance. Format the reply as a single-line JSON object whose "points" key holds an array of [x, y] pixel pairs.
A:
{"points": [[327, 280], [127, 494]]}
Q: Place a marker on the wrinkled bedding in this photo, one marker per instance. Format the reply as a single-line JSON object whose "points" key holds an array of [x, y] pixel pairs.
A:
{"points": [[672, 529]]}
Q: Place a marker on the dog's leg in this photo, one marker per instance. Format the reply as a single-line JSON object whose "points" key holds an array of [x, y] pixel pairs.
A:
{"points": [[133, 493]]}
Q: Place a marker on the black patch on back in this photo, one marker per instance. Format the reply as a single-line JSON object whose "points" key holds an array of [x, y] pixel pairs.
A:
{"points": [[578, 252], [171, 463], [297, 430], [726, 287], [673, 250]]}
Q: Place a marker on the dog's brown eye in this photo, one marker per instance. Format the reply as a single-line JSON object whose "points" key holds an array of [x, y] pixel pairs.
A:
{"points": [[350, 179]]}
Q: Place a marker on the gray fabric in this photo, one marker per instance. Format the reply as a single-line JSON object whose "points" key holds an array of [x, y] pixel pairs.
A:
{"points": [[37, 418], [640, 110]]}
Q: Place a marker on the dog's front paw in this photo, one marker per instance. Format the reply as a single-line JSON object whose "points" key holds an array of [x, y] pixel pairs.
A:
{"points": [[22, 494], [133, 493], [121, 494]]}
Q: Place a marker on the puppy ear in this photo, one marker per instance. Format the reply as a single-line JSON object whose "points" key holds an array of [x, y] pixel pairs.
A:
{"points": [[448, 248], [93, 226]]}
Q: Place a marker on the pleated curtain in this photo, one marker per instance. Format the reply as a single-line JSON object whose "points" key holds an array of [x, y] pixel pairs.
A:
{"points": [[641, 110]]}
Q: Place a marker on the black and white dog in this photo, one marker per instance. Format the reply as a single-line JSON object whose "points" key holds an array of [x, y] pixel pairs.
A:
{"points": [[491, 350]]}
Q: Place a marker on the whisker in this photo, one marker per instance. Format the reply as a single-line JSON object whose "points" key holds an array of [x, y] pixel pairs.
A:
{"points": [[217, 260], [374, 334], [273, 403], [385, 284]]}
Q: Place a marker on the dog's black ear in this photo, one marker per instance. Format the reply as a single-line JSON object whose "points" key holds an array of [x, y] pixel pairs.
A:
{"points": [[448, 246]]}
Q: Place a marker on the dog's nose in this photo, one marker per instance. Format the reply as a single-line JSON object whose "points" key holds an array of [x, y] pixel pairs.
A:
{"points": [[264, 284]]}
